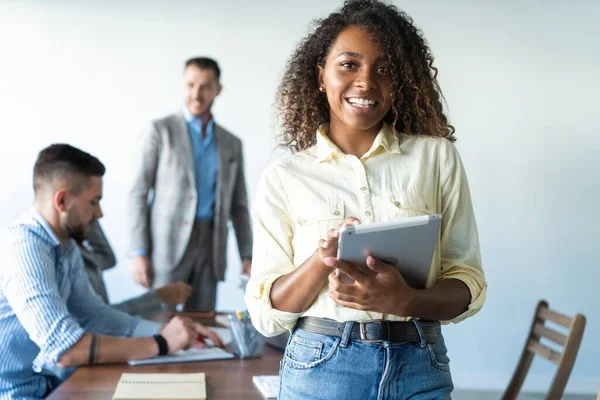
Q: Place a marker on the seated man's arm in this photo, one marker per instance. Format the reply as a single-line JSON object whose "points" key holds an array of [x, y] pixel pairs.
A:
{"points": [[179, 333], [107, 349], [29, 281]]}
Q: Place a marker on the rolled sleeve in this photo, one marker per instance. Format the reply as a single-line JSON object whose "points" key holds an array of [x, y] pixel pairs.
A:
{"points": [[268, 320], [65, 338], [272, 256], [460, 252], [146, 328], [475, 281]]}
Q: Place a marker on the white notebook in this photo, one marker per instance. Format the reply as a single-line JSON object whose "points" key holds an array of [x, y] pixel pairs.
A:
{"points": [[190, 355], [161, 387], [268, 385]]}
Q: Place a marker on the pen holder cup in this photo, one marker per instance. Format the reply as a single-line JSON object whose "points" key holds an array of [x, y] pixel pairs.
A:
{"points": [[246, 341]]}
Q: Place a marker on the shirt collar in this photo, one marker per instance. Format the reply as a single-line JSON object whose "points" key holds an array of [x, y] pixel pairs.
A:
{"points": [[385, 138], [39, 218], [193, 120]]}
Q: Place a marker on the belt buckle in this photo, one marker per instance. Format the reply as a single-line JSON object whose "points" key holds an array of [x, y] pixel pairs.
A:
{"points": [[363, 331]]}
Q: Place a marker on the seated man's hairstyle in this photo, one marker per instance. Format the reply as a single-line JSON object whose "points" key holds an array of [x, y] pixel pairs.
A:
{"points": [[66, 165]]}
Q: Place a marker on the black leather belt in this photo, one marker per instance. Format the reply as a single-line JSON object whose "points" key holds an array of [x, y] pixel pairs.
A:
{"points": [[374, 330]]}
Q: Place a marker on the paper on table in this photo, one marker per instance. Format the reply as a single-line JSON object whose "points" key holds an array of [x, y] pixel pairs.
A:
{"points": [[268, 385], [161, 387], [190, 355]]}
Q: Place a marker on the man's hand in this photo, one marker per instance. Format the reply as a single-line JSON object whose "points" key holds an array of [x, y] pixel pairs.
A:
{"points": [[174, 293], [182, 333], [142, 271], [246, 267], [206, 332], [381, 288]]}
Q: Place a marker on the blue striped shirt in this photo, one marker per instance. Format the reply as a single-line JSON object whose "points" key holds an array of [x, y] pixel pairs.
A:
{"points": [[46, 305]]}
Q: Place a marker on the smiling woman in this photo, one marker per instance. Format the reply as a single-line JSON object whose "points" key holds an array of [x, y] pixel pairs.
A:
{"points": [[361, 106], [357, 83], [404, 66]]}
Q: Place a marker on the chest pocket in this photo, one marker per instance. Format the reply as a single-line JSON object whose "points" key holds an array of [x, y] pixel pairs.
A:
{"points": [[316, 218], [408, 204]]}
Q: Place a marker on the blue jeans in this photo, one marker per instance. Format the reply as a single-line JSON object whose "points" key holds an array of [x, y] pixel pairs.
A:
{"points": [[321, 367]]}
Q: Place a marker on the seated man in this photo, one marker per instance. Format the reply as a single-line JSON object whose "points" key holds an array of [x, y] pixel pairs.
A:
{"points": [[98, 257], [49, 313]]}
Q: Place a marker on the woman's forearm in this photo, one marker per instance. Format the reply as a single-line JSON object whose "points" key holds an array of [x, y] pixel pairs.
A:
{"points": [[295, 292], [442, 302]]}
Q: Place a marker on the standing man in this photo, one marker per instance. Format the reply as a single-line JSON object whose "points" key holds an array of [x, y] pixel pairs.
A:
{"points": [[188, 183]]}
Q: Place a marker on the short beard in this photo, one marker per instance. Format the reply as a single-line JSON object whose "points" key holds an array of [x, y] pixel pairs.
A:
{"points": [[77, 233]]}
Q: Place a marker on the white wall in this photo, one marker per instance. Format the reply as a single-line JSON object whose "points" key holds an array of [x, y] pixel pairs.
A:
{"points": [[520, 78]]}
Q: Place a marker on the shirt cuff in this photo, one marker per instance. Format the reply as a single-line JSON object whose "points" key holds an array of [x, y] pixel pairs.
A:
{"points": [[268, 320], [137, 253], [144, 328], [478, 290]]}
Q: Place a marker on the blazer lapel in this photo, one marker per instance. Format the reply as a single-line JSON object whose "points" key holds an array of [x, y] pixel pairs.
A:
{"points": [[183, 148], [225, 159]]}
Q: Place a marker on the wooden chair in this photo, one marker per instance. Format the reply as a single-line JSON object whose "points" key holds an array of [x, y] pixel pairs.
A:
{"points": [[564, 360], [598, 398]]}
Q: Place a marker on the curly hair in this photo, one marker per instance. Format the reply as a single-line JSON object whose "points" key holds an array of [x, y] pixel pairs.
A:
{"points": [[416, 95]]}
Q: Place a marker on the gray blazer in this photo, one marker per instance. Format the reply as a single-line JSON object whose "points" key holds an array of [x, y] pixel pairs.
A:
{"points": [[98, 256], [163, 197]]}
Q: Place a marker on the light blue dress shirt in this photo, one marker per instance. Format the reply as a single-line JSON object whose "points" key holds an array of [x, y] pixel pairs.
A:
{"points": [[46, 305], [206, 164]]}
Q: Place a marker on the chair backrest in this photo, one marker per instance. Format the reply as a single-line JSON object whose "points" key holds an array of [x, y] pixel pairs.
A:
{"points": [[565, 360]]}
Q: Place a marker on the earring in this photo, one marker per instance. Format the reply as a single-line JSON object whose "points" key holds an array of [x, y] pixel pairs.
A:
{"points": [[321, 89]]}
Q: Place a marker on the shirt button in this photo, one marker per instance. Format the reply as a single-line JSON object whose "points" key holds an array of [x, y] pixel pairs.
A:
{"points": [[368, 213], [363, 188], [397, 203], [336, 213]]}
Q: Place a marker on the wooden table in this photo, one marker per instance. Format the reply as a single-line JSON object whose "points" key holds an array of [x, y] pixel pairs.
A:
{"points": [[225, 379]]}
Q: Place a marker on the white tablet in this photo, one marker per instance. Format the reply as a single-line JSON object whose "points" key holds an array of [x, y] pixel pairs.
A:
{"points": [[407, 243]]}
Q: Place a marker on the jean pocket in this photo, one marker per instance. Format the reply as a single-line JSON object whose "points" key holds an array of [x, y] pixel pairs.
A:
{"points": [[307, 350], [439, 355]]}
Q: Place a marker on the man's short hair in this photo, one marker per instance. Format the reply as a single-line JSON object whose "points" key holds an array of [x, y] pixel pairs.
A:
{"points": [[65, 163], [205, 63]]}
